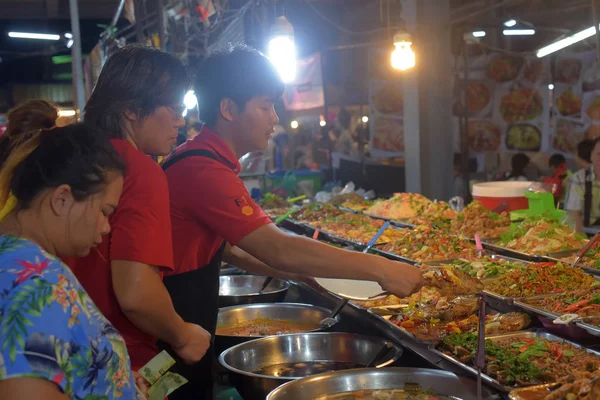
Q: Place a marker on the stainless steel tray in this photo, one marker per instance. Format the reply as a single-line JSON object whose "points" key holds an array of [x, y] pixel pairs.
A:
{"points": [[522, 334], [526, 304], [591, 329], [494, 245], [564, 254]]}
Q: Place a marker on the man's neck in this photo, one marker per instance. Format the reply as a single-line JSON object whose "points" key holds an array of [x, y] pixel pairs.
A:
{"points": [[227, 137]]}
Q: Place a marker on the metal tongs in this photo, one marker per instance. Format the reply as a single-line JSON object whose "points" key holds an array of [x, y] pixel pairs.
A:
{"points": [[581, 253], [480, 359]]}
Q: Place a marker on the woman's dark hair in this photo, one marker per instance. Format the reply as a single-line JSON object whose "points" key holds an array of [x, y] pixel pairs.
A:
{"points": [[556, 160], [238, 73], [584, 149], [136, 79], [36, 155], [518, 162]]}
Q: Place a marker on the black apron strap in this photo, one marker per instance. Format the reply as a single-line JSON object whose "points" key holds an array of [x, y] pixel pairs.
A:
{"points": [[195, 296], [587, 198], [198, 153]]}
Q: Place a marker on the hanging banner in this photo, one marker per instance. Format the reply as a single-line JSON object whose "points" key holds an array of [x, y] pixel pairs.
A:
{"points": [[306, 92]]}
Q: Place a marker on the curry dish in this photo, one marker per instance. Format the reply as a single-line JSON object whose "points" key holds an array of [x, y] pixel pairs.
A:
{"points": [[265, 327]]}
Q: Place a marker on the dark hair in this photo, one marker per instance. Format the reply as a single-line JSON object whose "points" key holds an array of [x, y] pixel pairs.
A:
{"points": [[556, 160], [584, 149], [518, 162], [238, 73], [36, 155], [136, 79]]}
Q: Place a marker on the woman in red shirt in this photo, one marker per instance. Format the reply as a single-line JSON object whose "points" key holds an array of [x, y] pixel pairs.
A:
{"points": [[137, 102]]}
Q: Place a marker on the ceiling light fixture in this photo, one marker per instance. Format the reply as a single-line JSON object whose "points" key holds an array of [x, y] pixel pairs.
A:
{"points": [[38, 36], [566, 42], [518, 32]]}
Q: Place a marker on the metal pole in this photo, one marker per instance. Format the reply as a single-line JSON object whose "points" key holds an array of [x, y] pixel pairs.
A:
{"points": [[464, 137], [161, 25], [595, 18], [77, 65]]}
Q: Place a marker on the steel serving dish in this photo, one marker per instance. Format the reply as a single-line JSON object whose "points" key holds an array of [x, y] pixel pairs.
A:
{"points": [[242, 361], [495, 338], [560, 256], [531, 304], [442, 382], [494, 245], [278, 311], [244, 289]]}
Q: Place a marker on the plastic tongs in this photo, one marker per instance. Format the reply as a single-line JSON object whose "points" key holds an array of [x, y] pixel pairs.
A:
{"points": [[581, 253]]}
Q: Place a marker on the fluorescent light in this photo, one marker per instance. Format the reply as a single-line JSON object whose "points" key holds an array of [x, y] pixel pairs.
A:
{"points": [[66, 113], [566, 42], [518, 32], [479, 33], [510, 23], [69, 35], [40, 36], [365, 119], [551, 86], [294, 124], [70, 43]]}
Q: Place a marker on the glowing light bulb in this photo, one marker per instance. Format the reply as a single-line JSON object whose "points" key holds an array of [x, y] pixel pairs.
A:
{"points": [[282, 50], [190, 100], [294, 124], [365, 119], [322, 123], [403, 57]]}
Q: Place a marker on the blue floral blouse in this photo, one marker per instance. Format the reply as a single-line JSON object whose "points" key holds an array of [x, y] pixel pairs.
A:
{"points": [[51, 329]]}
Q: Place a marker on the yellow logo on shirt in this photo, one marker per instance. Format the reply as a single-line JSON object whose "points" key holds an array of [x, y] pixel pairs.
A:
{"points": [[247, 211], [245, 206]]}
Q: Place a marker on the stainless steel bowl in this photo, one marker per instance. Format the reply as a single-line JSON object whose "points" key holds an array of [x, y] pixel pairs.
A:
{"points": [[242, 361], [280, 311], [244, 289], [442, 382]]}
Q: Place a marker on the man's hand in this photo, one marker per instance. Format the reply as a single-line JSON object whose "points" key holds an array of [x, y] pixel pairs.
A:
{"points": [[399, 278], [196, 345]]}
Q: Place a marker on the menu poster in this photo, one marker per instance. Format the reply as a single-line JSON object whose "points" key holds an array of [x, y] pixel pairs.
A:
{"points": [[386, 105]]}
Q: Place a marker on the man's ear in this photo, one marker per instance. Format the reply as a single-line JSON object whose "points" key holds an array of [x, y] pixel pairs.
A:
{"points": [[130, 115], [228, 109], [61, 200]]}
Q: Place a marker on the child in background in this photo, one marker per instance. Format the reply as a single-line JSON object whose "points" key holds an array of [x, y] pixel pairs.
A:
{"points": [[560, 176]]}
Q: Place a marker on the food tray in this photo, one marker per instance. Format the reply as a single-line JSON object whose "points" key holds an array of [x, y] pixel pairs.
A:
{"points": [[401, 223], [532, 392], [525, 304], [563, 254], [411, 336], [494, 245], [522, 334], [391, 256], [591, 329]]}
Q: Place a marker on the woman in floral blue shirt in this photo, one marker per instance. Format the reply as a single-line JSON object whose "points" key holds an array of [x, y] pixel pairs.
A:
{"points": [[57, 188]]}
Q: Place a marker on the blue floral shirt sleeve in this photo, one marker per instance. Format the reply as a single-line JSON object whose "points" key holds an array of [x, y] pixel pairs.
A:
{"points": [[51, 329]]}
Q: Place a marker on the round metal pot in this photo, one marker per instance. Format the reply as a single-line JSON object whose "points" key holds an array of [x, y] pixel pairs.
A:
{"points": [[244, 289]]}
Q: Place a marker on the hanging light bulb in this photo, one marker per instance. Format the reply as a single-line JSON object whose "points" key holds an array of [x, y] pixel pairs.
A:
{"points": [[403, 57], [282, 50]]}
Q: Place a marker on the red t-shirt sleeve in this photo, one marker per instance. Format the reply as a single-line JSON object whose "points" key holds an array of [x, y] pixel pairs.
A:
{"points": [[217, 198], [141, 225]]}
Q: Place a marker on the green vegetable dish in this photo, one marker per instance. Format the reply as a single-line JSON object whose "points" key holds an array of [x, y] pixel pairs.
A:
{"points": [[522, 360]]}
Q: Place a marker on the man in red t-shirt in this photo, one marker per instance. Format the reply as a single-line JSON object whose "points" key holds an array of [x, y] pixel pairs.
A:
{"points": [[137, 102], [214, 218]]}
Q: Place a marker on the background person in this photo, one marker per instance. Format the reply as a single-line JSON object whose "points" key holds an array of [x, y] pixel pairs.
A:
{"points": [[583, 197]]}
